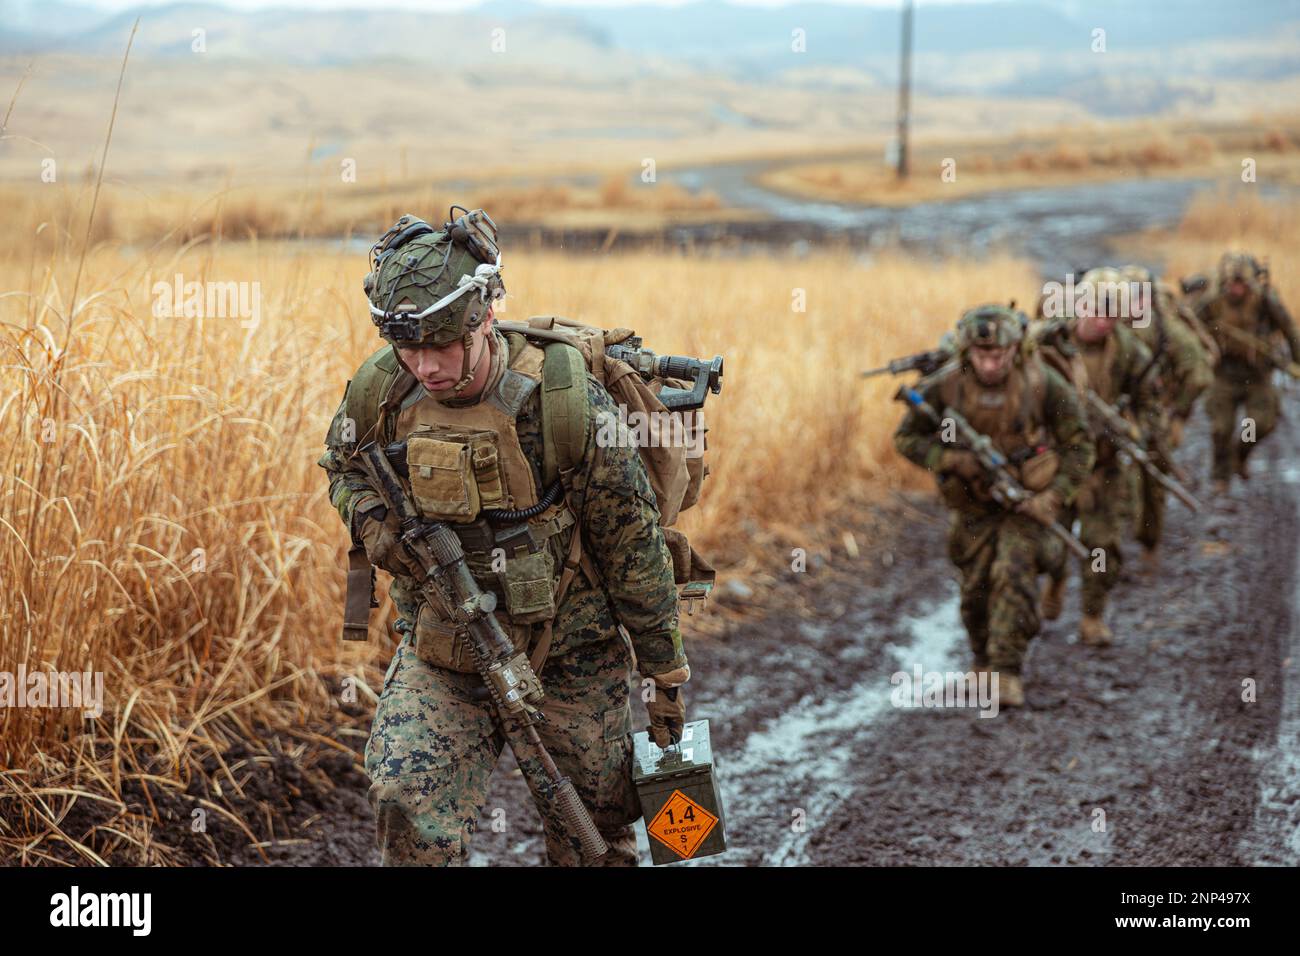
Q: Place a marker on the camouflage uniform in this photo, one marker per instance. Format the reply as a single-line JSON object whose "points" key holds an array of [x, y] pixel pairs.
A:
{"points": [[436, 738], [1244, 377], [1112, 368], [433, 746], [1181, 372], [1000, 553]]}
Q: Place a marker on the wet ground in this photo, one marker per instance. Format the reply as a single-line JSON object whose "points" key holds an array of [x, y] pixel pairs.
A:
{"points": [[1143, 753], [1060, 228]]}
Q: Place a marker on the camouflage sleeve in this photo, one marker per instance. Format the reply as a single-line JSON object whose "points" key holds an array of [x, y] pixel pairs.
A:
{"points": [[1143, 392], [350, 490], [1189, 368], [620, 521], [1281, 320], [1068, 422], [917, 438]]}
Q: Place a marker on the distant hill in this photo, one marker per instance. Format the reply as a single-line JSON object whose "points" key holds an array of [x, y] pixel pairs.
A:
{"points": [[1034, 47]]}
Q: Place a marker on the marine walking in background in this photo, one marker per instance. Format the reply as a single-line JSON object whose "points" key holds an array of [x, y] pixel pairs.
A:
{"points": [[1108, 366], [1246, 317], [1181, 371], [1008, 442]]}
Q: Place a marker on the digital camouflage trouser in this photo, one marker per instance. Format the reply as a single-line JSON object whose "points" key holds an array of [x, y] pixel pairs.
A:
{"points": [[1237, 385], [1103, 515], [433, 747], [1000, 556]]}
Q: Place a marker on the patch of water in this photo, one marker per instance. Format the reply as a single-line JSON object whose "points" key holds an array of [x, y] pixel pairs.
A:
{"points": [[793, 756]]}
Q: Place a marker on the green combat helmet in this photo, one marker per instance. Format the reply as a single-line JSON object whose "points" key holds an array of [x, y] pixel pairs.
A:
{"points": [[991, 325], [1243, 266], [431, 287]]}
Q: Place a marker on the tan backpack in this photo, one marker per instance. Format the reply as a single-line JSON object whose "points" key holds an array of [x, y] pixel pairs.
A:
{"points": [[672, 443]]}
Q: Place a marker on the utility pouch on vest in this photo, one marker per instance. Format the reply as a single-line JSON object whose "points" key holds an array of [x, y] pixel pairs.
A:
{"points": [[442, 479], [445, 645], [528, 583], [441, 643], [454, 473]]}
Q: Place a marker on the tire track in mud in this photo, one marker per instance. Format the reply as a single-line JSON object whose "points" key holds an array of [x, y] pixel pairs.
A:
{"points": [[797, 768], [1153, 732]]}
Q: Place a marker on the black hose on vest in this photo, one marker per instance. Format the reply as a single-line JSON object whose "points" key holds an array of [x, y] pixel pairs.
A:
{"points": [[523, 514]]}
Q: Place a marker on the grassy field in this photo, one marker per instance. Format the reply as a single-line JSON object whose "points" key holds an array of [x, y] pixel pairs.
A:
{"points": [[162, 519], [1074, 155]]}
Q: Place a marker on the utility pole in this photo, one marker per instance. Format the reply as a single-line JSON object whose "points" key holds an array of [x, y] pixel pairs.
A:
{"points": [[905, 89]]}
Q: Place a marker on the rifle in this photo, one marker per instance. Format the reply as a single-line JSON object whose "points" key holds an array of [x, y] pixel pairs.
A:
{"points": [[705, 376], [1264, 348], [1127, 437], [1003, 486], [927, 363], [446, 582]]}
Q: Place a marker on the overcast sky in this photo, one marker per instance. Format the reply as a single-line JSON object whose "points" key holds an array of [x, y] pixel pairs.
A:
{"points": [[460, 4]]}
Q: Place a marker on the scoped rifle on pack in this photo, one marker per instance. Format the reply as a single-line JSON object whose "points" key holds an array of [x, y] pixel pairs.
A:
{"points": [[1003, 486], [447, 583], [1127, 437]]}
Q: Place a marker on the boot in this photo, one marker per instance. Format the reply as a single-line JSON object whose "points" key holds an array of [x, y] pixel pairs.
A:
{"points": [[1094, 632], [1053, 599], [1011, 691], [1243, 469], [1151, 561], [1220, 486]]}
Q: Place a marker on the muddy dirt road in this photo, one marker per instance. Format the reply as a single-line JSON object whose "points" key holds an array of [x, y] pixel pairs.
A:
{"points": [[1151, 736], [1153, 732]]}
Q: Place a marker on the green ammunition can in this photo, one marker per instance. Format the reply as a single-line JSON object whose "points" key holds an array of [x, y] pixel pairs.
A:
{"points": [[679, 795]]}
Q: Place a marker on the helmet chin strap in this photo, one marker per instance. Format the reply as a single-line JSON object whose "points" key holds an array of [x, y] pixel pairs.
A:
{"points": [[466, 372], [467, 347]]}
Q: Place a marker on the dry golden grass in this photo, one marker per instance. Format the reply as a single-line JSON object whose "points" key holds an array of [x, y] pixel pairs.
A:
{"points": [[1081, 156], [162, 518], [1241, 220], [50, 215]]}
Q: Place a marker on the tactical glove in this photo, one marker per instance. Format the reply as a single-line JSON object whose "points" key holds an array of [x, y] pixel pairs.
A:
{"points": [[962, 463], [1042, 507], [379, 532], [667, 706]]}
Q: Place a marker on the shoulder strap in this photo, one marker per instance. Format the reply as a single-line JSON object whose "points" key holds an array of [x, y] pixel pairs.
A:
{"points": [[379, 386], [1035, 391], [566, 410], [1162, 344]]}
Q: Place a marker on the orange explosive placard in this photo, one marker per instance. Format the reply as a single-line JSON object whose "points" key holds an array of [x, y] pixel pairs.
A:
{"points": [[682, 825]]}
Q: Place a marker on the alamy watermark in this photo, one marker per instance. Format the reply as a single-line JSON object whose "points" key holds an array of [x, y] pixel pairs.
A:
{"points": [[934, 689], [80, 690], [654, 429], [179, 299], [1117, 300]]}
